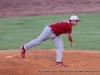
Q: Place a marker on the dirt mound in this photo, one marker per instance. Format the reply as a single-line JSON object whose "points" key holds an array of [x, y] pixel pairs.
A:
{"points": [[10, 8], [42, 62]]}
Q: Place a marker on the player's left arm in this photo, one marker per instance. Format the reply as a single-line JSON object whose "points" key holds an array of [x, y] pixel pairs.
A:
{"points": [[70, 39]]}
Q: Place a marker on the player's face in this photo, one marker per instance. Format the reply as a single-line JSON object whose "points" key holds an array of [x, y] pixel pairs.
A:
{"points": [[74, 22]]}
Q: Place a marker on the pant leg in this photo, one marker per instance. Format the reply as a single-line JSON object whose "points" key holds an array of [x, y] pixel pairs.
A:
{"points": [[45, 35], [59, 44]]}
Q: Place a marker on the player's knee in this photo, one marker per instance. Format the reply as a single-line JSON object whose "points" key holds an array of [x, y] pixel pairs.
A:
{"points": [[61, 46], [38, 41]]}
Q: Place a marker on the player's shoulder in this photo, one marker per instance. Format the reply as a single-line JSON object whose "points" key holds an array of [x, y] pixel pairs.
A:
{"points": [[66, 21]]}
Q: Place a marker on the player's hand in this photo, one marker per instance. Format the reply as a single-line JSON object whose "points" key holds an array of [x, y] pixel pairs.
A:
{"points": [[71, 44]]}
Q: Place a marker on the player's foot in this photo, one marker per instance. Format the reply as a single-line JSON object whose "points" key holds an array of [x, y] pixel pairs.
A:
{"points": [[23, 52], [60, 64]]}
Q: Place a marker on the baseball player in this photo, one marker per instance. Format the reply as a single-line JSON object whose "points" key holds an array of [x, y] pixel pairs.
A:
{"points": [[53, 31]]}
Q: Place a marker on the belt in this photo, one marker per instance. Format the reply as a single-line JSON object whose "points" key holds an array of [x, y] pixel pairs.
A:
{"points": [[52, 31]]}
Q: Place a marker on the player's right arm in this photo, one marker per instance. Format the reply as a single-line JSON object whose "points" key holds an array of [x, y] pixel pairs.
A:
{"points": [[70, 39]]}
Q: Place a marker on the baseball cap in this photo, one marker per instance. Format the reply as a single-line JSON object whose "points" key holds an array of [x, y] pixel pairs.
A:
{"points": [[74, 18]]}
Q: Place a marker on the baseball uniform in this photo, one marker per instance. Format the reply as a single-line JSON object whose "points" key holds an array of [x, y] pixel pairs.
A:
{"points": [[53, 31]]}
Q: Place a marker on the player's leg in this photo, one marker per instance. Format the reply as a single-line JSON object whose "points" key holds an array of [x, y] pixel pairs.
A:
{"points": [[59, 44], [45, 35]]}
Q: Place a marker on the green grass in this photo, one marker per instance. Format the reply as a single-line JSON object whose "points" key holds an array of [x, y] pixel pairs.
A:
{"points": [[14, 32]]}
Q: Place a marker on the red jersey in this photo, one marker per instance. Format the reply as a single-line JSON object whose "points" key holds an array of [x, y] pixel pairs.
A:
{"points": [[61, 27]]}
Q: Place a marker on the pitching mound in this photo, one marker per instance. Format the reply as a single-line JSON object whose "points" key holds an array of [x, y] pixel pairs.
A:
{"points": [[42, 62]]}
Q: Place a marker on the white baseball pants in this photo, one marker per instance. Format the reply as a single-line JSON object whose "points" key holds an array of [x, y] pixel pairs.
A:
{"points": [[45, 35]]}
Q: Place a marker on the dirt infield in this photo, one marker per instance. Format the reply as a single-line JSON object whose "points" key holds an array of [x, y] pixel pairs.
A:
{"points": [[42, 62], [12, 8]]}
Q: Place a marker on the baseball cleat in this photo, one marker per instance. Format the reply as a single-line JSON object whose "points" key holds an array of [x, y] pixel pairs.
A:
{"points": [[23, 52], [60, 64]]}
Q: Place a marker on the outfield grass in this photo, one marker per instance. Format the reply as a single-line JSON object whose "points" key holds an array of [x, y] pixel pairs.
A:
{"points": [[15, 32]]}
